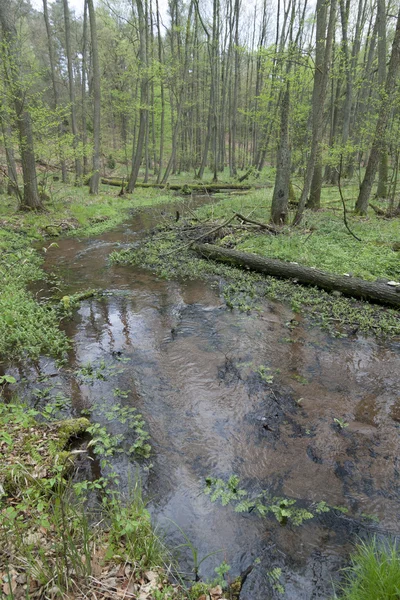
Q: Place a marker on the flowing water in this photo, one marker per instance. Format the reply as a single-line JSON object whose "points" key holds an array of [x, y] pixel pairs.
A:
{"points": [[189, 365]]}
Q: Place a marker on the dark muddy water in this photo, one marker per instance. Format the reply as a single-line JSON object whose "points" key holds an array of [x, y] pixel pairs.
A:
{"points": [[189, 366]]}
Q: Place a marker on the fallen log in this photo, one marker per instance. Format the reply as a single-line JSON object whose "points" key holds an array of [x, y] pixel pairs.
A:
{"points": [[186, 188], [373, 291]]}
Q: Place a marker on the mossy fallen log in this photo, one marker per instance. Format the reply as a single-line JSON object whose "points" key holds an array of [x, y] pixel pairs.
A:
{"points": [[373, 291], [185, 188]]}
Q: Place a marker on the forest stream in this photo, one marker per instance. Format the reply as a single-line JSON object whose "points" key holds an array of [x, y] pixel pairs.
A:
{"points": [[222, 393]]}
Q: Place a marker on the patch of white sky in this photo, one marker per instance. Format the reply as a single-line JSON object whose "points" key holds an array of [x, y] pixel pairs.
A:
{"points": [[78, 5], [250, 19]]}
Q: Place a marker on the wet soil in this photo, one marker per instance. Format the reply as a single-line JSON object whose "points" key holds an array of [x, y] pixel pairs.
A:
{"points": [[189, 365]]}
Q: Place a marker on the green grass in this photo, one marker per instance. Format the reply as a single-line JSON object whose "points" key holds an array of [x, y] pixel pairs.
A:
{"points": [[322, 240], [27, 328], [374, 573]]}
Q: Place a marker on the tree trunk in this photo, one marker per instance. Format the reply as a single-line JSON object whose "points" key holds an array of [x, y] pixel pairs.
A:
{"points": [[143, 112], [12, 181], [84, 61], [383, 163], [380, 130], [380, 293], [30, 200], [71, 84], [280, 198], [94, 181], [64, 174], [321, 76]]}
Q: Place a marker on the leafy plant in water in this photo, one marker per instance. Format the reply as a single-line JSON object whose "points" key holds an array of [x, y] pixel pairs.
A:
{"points": [[274, 576], [341, 423], [265, 374], [284, 509], [103, 443]]}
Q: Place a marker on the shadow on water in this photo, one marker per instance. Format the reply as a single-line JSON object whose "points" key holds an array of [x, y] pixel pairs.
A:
{"points": [[189, 366]]}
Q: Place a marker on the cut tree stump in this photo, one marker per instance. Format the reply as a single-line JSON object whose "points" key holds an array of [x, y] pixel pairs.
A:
{"points": [[373, 291]]}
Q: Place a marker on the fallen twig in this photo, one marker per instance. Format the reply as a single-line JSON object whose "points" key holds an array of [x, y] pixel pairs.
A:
{"points": [[269, 228], [343, 202]]}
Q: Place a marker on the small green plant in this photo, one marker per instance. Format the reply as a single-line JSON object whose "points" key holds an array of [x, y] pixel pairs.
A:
{"points": [[7, 379], [221, 571], [341, 423], [103, 443], [274, 576], [264, 373], [374, 572], [197, 561], [283, 509]]}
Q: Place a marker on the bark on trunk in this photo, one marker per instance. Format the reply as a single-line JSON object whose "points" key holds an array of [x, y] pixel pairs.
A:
{"points": [[94, 181], [380, 293], [71, 84], [186, 188], [322, 70], [280, 198], [143, 113], [31, 200], [380, 130]]}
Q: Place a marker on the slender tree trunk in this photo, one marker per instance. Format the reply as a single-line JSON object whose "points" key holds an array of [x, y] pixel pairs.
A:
{"points": [[30, 200], [64, 174], [12, 181], [94, 181], [71, 84], [383, 163], [319, 93], [280, 198], [143, 112], [84, 61], [380, 130]]}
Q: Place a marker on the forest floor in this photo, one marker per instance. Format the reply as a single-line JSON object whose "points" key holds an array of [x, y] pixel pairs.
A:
{"points": [[43, 517]]}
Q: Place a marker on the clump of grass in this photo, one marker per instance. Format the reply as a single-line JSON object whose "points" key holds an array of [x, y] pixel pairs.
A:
{"points": [[374, 573]]}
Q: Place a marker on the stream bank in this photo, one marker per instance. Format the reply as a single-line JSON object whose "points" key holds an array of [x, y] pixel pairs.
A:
{"points": [[226, 392]]}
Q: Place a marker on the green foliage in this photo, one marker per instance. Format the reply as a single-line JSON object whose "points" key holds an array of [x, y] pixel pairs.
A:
{"points": [[264, 374], [274, 575], [374, 572], [341, 423], [197, 561], [27, 328], [283, 509], [329, 247]]}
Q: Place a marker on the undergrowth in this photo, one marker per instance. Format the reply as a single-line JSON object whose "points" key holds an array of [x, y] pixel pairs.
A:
{"points": [[374, 572], [57, 535], [322, 240], [27, 327], [167, 255]]}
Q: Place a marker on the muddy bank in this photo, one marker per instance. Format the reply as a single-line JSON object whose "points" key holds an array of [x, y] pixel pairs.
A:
{"points": [[225, 392]]}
